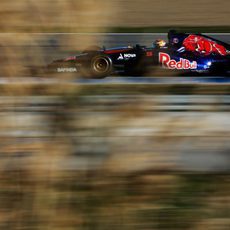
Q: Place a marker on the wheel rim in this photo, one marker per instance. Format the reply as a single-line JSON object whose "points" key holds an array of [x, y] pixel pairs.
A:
{"points": [[101, 65]]}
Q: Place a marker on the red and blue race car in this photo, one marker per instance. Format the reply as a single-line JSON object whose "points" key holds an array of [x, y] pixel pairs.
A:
{"points": [[183, 52]]}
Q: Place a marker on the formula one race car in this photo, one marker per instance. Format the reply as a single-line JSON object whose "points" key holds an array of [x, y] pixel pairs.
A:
{"points": [[183, 52]]}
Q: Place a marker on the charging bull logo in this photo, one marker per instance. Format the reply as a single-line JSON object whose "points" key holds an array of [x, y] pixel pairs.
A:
{"points": [[169, 63]]}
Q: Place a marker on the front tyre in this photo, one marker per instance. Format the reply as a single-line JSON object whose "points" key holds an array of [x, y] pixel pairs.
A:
{"points": [[100, 66]]}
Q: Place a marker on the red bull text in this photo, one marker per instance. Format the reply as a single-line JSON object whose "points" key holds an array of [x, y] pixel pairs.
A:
{"points": [[169, 63]]}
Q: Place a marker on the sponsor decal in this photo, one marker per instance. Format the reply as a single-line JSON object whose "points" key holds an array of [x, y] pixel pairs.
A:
{"points": [[66, 70], [70, 58], [126, 56], [120, 57], [149, 54], [169, 63]]}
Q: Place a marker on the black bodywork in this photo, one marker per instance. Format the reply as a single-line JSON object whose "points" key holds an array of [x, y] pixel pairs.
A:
{"points": [[96, 62]]}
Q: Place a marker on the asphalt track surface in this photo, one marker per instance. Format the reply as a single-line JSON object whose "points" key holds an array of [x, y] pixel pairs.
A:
{"points": [[110, 40], [157, 80], [152, 80], [52, 40]]}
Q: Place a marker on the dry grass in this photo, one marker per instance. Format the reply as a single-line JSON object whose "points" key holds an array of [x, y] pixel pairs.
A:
{"points": [[168, 12], [46, 15], [70, 15], [40, 195]]}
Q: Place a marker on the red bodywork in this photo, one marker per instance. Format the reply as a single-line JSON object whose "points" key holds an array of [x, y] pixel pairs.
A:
{"points": [[196, 43], [114, 51]]}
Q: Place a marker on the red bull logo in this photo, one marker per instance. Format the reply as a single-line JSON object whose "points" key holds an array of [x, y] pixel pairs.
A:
{"points": [[169, 63]]}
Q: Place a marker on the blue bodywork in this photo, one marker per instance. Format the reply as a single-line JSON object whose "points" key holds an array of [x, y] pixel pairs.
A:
{"points": [[204, 63]]}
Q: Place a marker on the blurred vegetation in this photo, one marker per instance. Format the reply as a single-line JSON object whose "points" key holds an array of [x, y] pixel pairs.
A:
{"points": [[113, 15], [50, 148], [123, 29], [39, 191], [100, 200], [70, 90]]}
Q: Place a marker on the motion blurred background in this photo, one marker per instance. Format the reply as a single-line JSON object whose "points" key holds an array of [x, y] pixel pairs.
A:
{"points": [[108, 156]]}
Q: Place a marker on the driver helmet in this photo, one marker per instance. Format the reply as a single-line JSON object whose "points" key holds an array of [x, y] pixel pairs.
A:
{"points": [[160, 43]]}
